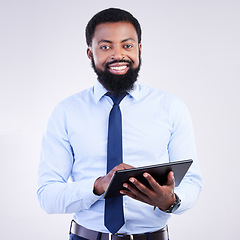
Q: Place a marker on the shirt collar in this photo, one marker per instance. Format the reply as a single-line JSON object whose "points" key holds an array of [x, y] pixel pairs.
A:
{"points": [[99, 91]]}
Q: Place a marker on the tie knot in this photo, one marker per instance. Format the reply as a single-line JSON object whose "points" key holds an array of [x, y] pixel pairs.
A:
{"points": [[116, 98]]}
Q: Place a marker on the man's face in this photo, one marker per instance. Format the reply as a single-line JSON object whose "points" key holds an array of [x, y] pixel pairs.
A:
{"points": [[115, 55]]}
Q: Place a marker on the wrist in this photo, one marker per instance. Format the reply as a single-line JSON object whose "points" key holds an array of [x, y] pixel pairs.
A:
{"points": [[175, 205], [97, 189], [166, 204]]}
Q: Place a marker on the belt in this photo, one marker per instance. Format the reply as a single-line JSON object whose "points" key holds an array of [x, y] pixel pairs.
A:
{"points": [[83, 232]]}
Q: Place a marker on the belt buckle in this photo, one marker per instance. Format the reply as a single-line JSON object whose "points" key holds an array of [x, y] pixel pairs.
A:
{"points": [[110, 235]]}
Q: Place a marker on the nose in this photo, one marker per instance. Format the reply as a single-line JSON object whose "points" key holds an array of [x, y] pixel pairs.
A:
{"points": [[118, 53]]}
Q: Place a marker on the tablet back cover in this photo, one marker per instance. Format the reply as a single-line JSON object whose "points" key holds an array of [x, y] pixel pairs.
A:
{"points": [[159, 172]]}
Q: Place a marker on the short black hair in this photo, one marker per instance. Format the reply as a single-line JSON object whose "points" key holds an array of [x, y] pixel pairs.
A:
{"points": [[111, 15]]}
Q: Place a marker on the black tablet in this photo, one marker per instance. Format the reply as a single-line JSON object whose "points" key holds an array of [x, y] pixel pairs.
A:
{"points": [[159, 172]]}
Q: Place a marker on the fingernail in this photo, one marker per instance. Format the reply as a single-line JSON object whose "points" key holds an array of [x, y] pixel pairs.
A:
{"points": [[131, 180], [145, 175]]}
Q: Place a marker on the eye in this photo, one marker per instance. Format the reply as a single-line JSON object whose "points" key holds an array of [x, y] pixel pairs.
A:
{"points": [[105, 47], [128, 46]]}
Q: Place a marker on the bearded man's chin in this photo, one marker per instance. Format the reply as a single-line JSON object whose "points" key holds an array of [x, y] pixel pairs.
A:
{"points": [[117, 83]]}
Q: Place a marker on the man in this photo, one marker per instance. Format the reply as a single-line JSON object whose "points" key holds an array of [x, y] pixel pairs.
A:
{"points": [[155, 128]]}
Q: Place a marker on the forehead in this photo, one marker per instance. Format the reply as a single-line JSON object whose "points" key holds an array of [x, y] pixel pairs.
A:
{"points": [[115, 32]]}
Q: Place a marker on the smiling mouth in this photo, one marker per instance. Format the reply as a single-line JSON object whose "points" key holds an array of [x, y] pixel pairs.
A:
{"points": [[118, 67]]}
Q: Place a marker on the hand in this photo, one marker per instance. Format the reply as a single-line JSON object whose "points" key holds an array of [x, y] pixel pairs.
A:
{"points": [[159, 196], [102, 183]]}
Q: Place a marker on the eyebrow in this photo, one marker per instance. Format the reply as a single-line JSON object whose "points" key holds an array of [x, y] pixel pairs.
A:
{"points": [[108, 41]]}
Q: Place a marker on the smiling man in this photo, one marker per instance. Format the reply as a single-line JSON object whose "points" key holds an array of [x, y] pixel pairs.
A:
{"points": [[115, 53], [117, 124]]}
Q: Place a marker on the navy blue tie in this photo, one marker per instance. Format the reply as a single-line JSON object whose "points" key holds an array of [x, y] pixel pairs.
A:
{"points": [[114, 217]]}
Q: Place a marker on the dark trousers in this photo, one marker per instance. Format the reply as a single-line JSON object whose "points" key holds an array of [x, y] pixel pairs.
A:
{"points": [[75, 237]]}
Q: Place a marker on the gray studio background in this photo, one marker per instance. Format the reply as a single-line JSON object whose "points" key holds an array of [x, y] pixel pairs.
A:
{"points": [[190, 48]]}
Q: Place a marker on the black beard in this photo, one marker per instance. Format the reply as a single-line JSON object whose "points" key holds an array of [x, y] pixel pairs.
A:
{"points": [[117, 83]]}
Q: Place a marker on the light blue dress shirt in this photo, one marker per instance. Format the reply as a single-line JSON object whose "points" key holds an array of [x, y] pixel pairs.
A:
{"points": [[156, 129]]}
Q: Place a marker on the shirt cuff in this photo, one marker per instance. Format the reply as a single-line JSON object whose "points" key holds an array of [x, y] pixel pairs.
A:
{"points": [[83, 196]]}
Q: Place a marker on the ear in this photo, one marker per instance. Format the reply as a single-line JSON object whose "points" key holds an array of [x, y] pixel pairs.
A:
{"points": [[140, 48], [89, 53]]}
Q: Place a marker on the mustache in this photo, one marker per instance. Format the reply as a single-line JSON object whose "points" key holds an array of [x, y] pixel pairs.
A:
{"points": [[120, 61]]}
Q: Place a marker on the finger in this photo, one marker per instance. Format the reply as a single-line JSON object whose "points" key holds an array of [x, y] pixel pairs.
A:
{"points": [[139, 186], [153, 183], [171, 180], [149, 196], [122, 166], [130, 194], [135, 187], [126, 166], [127, 191]]}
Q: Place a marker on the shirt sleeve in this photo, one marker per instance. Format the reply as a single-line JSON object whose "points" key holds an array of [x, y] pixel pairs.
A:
{"points": [[182, 147], [56, 193]]}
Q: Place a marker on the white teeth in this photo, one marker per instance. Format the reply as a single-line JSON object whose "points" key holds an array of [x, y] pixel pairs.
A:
{"points": [[118, 68]]}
